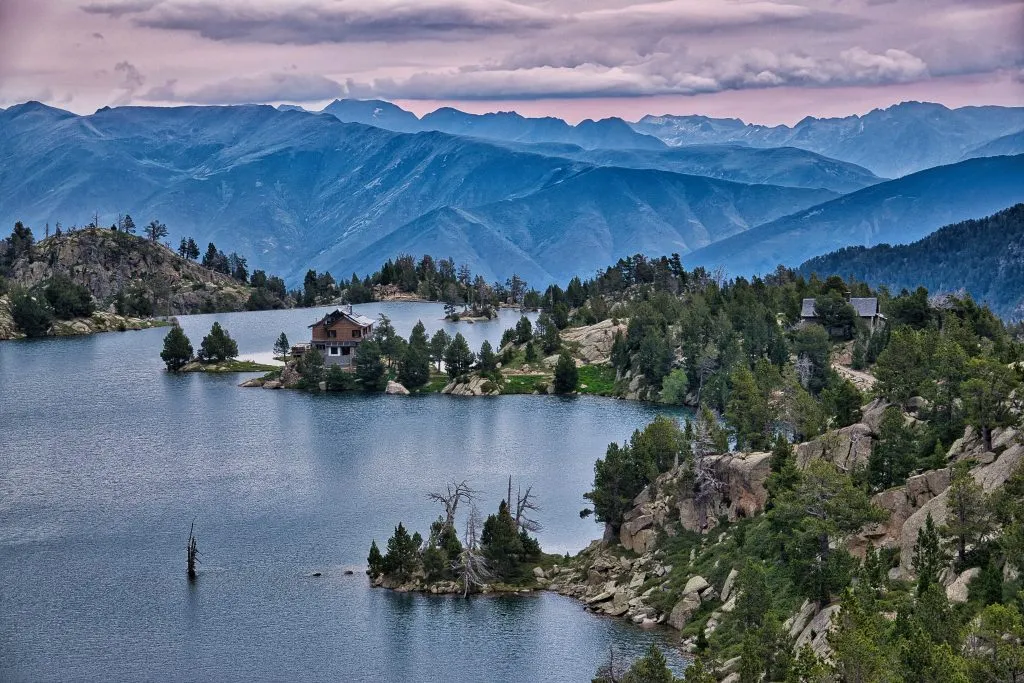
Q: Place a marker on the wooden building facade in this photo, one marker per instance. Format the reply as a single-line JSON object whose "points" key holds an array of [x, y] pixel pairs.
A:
{"points": [[337, 336]]}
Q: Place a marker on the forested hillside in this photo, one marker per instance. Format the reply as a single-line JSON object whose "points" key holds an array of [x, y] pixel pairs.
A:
{"points": [[895, 212], [984, 257]]}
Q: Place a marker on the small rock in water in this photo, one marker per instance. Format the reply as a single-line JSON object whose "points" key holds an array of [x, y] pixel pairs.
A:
{"points": [[349, 572], [316, 574]]}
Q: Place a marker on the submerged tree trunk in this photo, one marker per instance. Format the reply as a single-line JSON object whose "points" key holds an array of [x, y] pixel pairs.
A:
{"points": [[192, 553]]}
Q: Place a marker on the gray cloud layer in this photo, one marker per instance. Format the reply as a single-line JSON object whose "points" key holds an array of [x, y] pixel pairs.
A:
{"points": [[207, 51]]}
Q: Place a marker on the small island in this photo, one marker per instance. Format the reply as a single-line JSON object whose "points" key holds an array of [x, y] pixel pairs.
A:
{"points": [[494, 555], [217, 354]]}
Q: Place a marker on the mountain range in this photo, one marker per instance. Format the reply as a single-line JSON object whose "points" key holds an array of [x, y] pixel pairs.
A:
{"points": [[894, 212], [295, 190], [347, 188], [985, 257], [892, 142]]}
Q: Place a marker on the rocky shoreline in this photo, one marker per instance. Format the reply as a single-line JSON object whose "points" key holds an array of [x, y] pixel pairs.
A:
{"points": [[100, 321]]}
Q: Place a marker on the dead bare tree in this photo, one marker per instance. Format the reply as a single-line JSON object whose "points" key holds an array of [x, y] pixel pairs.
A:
{"points": [[192, 552], [454, 494], [471, 567], [804, 369], [526, 504], [610, 671], [706, 483]]}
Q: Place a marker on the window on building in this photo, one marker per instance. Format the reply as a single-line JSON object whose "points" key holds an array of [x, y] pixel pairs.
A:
{"points": [[334, 350], [333, 334], [356, 334], [347, 351]]}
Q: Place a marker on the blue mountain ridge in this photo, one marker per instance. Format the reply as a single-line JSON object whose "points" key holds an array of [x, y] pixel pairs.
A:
{"points": [[292, 189]]}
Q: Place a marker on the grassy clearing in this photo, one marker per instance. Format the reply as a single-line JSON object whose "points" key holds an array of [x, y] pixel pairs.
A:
{"points": [[525, 384], [597, 379]]}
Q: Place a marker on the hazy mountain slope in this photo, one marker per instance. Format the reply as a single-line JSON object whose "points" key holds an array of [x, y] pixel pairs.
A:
{"points": [[784, 166], [457, 233], [892, 142], [612, 133], [292, 189], [984, 257], [576, 225], [895, 212], [1006, 145], [375, 113]]}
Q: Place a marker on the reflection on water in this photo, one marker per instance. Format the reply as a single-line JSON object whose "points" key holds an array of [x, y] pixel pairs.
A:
{"points": [[105, 460]]}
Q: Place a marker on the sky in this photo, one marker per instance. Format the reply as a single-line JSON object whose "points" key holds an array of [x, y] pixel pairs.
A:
{"points": [[765, 61]]}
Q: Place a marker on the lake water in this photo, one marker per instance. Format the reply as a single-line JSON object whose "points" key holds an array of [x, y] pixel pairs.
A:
{"points": [[105, 460]]}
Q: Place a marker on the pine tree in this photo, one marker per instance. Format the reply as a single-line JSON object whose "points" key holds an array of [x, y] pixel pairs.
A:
{"points": [[488, 360], [968, 517], [217, 345], [177, 349], [524, 330], [402, 556], [893, 456], [458, 358], [281, 346], [414, 370], [375, 561], [651, 668], [987, 396], [438, 345], [928, 555], [566, 374], [155, 231], [502, 544], [311, 369], [369, 366]]}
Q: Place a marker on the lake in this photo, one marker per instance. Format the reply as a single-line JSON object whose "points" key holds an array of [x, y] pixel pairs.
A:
{"points": [[105, 461]]}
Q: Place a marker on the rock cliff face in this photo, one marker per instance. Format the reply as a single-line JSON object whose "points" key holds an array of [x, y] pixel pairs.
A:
{"points": [[625, 579], [107, 262], [992, 469], [671, 500], [593, 343], [8, 330]]}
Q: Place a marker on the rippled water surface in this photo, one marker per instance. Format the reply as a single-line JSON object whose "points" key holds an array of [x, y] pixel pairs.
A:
{"points": [[105, 461]]}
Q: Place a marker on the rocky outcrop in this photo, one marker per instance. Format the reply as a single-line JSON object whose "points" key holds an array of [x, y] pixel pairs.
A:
{"points": [[618, 586], [396, 389], [670, 499], [472, 385], [593, 343], [8, 330], [900, 503], [959, 590], [991, 472], [107, 262], [846, 448], [816, 632]]}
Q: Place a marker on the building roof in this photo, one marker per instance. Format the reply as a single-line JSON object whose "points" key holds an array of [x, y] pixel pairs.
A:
{"points": [[866, 307], [338, 314]]}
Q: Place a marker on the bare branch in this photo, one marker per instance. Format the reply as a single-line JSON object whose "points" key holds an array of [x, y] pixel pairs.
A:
{"points": [[450, 499]]}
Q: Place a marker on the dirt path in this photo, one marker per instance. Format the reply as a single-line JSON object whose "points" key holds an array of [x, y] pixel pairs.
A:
{"points": [[862, 380]]}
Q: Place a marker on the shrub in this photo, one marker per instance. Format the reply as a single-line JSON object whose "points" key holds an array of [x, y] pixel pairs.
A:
{"points": [[31, 314], [67, 299]]}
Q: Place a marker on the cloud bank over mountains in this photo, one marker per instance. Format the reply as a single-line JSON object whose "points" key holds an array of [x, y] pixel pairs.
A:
{"points": [[234, 51]]}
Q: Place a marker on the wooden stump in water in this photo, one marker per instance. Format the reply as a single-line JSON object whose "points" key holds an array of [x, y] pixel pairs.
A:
{"points": [[192, 552]]}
